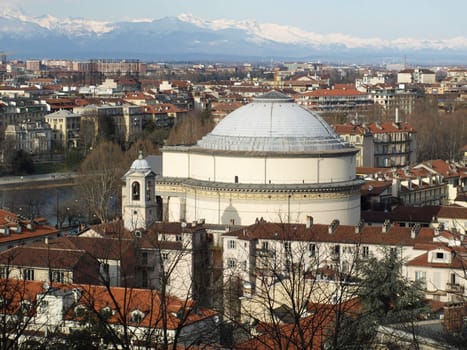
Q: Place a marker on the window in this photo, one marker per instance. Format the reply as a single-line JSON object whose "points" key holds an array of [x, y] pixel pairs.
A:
{"points": [[28, 274], [135, 191], [231, 263], [337, 249], [58, 276], [4, 272], [264, 246], [148, 191], [311, 249], [104, 271], [420, 276], [144, 258], [165, 257], [365, 252], [287, 247], [231, 244], [440, 255], [144, 278], [136, 316], [178, 238], [453, 279]]}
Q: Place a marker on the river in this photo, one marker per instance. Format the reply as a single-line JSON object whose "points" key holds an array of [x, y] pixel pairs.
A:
{"points": [[40, 202]]}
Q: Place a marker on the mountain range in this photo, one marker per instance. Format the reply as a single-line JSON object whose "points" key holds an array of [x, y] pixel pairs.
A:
{"points": [[187, 38]]}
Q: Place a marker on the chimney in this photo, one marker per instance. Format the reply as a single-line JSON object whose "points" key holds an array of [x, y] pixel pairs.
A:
{"points": [[309, 221], [333, 226], [359, 226], [386, 226], [453, 317], [414, 231]]}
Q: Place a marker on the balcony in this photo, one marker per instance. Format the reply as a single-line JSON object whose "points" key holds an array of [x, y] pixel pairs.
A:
{"points": [[454, 288]]}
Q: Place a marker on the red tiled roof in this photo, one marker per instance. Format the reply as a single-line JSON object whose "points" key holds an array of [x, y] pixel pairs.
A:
{"points": [[334, 92], [342, 234], [13, 220], [422, 261], [309, 332], [145, 300], [374, 188], [41, 257]]}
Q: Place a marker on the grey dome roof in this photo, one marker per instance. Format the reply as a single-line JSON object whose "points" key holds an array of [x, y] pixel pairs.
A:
{"points": [[273, 122], [140, 166]]}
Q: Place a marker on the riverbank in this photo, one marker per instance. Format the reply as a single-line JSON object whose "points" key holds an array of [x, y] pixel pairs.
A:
{"points": [[37, 181]]}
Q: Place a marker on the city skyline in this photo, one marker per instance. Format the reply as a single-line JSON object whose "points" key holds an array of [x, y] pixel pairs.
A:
{"points": [[429, 20]]}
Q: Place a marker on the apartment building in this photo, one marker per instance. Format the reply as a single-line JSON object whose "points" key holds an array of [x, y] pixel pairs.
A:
{"points": [[65, 127], [341, 98], [30, 137], [416, 76], [381, 145], [16, 110], [266, 249]]}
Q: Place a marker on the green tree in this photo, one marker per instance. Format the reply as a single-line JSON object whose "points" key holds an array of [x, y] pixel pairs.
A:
{"points": [[21, 163], [387, 297]]}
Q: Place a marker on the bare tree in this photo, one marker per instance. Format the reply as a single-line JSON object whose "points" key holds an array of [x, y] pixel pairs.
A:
{"points": [[189, 129], [100, 179], [19, 300], [162, 315], [294, 288]]}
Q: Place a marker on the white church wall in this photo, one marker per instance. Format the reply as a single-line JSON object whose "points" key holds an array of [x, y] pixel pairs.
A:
{"points": [[247, 170], [245, 211], [178, 164], [260, 170]]}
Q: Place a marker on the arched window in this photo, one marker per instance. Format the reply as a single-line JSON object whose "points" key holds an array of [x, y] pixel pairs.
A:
{"points": [[135, 191]]}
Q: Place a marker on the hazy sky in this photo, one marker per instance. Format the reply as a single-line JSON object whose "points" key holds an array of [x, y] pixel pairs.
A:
{"points": [[427, 19]]}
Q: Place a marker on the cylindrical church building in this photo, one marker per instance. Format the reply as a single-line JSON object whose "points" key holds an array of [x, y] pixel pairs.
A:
{"points": [[269, 159]]}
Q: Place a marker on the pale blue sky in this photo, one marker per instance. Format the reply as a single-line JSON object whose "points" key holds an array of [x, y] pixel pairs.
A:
{"points": [[427, 19]]}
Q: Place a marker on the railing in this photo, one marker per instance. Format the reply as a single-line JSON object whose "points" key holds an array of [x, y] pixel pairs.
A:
{"points": [[454, 288]]}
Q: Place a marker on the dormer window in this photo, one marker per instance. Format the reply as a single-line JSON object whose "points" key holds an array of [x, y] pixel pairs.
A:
{"points": [[136, 316], [135, 191], [106, 312]]}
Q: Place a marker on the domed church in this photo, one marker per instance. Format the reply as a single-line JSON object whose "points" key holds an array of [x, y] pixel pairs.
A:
{"points": [[270, 159]]}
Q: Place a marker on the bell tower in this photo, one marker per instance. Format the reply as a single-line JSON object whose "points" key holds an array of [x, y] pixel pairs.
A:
{"points": [[139, 206]]}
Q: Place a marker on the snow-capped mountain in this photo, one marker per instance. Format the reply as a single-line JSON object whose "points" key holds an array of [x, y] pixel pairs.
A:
{"points": [[188, 37]]}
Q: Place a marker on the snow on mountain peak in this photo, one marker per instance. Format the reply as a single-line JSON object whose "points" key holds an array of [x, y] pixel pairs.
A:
{"points": [[71, 26], [251, 31]]}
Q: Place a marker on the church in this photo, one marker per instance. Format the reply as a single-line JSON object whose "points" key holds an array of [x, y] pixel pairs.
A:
{"points": [[270, 159]]}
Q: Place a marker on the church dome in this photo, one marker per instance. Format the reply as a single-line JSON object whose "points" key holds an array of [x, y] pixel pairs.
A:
{"points": [[273, 122]]}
